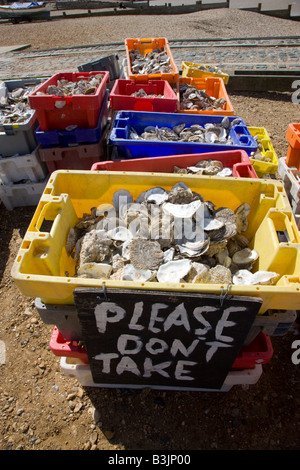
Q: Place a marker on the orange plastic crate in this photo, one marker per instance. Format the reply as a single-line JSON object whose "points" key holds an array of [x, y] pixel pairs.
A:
{"points": [[145, 46], [293, 138], [215, 87]]}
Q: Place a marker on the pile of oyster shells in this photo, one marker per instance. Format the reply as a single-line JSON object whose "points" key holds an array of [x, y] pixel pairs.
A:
{"points": [[141, 240], [68, 88], [14, 105], [205, 167], [209, 68], [192, 98], [141, 93], [208, 133], [257, 155], [156, 61]]}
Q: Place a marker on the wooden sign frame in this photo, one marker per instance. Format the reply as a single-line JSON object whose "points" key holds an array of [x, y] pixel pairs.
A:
{"points": [[167, 340]]}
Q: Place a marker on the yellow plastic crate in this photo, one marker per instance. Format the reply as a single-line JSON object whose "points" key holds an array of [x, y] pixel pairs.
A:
{"points": [[189, 69], [260, 167], [43, 268]]}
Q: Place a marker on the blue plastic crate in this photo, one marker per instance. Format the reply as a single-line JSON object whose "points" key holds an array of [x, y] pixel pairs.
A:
{"points": [[66, 138], [122, 147]]}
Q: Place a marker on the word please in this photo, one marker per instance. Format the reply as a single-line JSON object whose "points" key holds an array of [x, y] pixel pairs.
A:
{"points": [[110, 312]]}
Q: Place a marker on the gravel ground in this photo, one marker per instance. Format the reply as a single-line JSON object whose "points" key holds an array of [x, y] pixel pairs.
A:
{"points": [[206, 24], [40, 409]]}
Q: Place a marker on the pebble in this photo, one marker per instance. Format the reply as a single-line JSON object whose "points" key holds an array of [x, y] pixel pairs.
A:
{"points": [[94, 438]]}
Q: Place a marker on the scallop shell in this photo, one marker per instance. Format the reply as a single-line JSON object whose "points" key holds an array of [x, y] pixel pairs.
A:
{"points": [[145, 254], [95, 270], [173, 271]]}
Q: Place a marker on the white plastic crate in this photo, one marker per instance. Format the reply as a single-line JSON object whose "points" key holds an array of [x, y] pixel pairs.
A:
{"points": [[74, 368], [20, 195], [291, 179], [23, 167]]}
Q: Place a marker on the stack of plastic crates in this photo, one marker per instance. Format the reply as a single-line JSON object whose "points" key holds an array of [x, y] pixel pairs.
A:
{"points": [[71, 129], [23, 175], [44, 270], [289, 169]]}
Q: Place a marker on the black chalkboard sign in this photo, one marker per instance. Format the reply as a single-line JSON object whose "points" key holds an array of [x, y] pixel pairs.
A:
{"points": [[162, 339]]}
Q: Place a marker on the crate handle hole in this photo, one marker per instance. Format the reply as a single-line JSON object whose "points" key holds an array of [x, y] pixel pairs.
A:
{"points": [[25, 245]]}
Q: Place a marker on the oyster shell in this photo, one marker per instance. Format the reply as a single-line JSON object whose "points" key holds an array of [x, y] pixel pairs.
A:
{"points": [[245, 277], [120, 233], [121, 197], [242, 213], [94, 248], [182, 211], [95, 270], [145, 254], [245, 257], [180, 195], [156, 195], [130, 273], [72, 238], [173, 271], [193, 249], [197, 272], [217, 275]]}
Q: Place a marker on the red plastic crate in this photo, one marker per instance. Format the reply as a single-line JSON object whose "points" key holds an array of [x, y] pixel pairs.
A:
{"points": [[79, 157], [120, 98], [80, 110], [293, 138], [260, 351], [238, 160], [61, 347]]}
